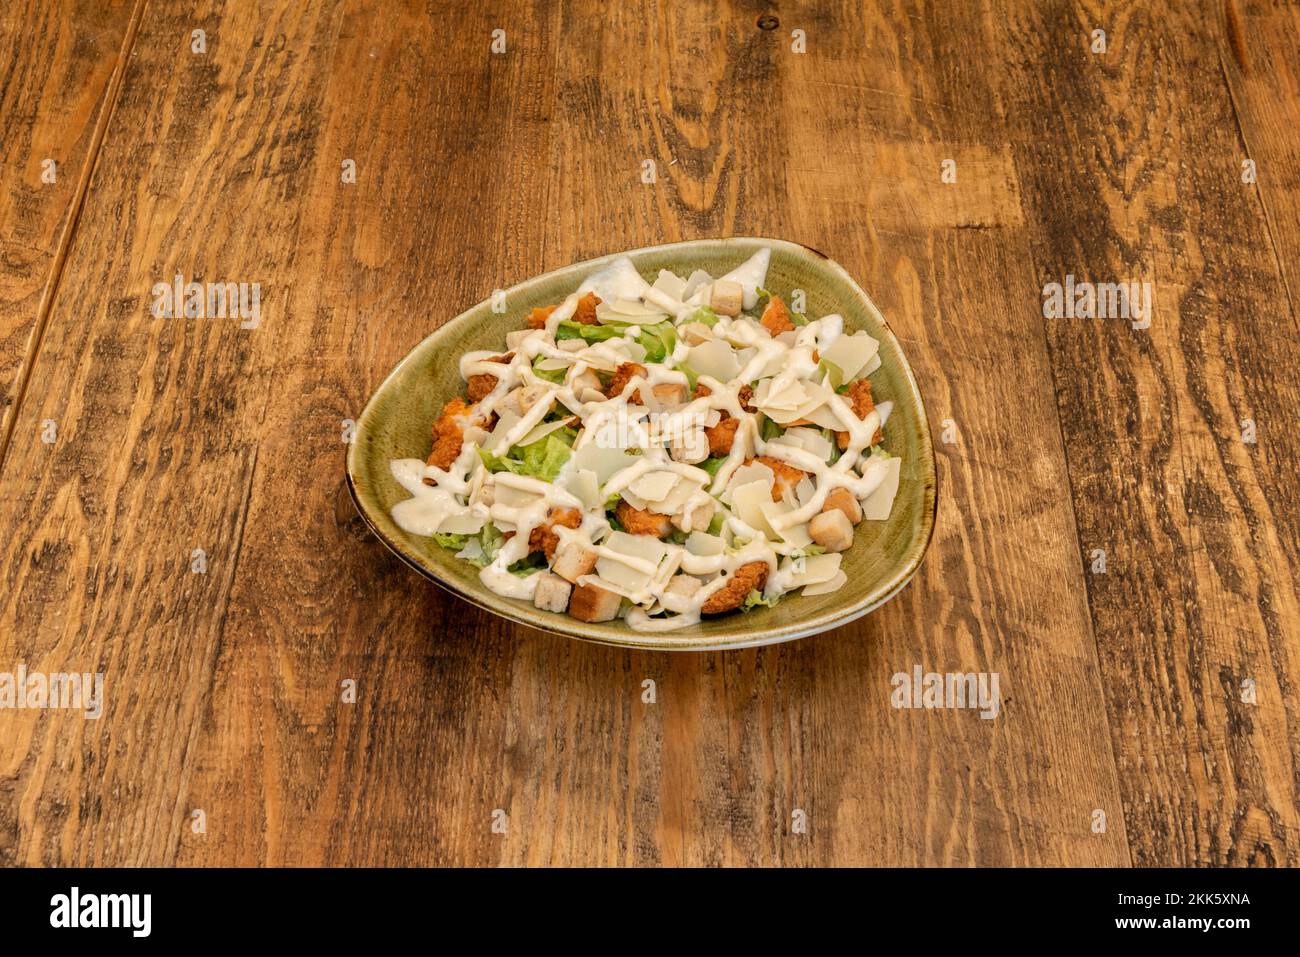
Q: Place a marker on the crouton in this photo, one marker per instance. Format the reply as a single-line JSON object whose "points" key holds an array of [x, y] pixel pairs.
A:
{"points": [[537, 318], [683, 585], [448, 434], [636, 521], [552, 592], [622, 376], [585, 313], [593, 603], [726, 297], [859, 399], [543, 538], [740, 583], [831, 530], [844, 500], [786, 475], [670, 393], [776, 317], [722, 435], [480, 385], [573, 559]]}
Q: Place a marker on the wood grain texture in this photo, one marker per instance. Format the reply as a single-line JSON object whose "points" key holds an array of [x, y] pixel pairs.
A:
{"points": [[58, 61], [1121, 692], [1142, 182]]}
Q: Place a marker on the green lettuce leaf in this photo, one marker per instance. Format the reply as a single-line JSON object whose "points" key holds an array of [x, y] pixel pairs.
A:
{"points": [[569, 329], [449, 540], [834, 372], [490, 540], [712, 464], [705, 315], [529, 565], [544, 458], [499, 463], [755, 599], [550, 375], [658, 340]]}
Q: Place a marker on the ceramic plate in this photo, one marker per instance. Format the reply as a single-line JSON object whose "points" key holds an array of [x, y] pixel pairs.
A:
{"points": [[396, 424]]}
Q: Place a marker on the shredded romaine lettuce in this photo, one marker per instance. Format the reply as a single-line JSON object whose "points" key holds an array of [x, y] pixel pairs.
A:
{"points": [[568, 329], [544, 458], [489, 541], [529, 565], [658, 340], [498, 463], [450, 540], [550, 375], [755, 599], [712, 464], [705, 315]]}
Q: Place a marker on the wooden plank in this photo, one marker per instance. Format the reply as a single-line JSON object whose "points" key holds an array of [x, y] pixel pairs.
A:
{"points": [[449, 204], [713, 773], [1257, 46], [158, 425], [57, 66], [1000, 590], [1129, 164]]}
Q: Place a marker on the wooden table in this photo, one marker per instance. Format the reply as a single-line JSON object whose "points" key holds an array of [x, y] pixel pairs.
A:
{"points": [[1120, 506]]}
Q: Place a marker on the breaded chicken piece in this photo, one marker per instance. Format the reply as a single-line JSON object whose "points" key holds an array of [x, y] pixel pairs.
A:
{"points": [[448, 434], [730, 596], [722, 435], [859, 399], [786, 474], [776, 317], [622, 376], [537, 318], [480, 385], [637, 521], [544, 539], [586, 311]]}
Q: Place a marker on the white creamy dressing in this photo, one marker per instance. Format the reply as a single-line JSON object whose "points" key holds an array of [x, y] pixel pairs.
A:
{"points": [[466, 495]]}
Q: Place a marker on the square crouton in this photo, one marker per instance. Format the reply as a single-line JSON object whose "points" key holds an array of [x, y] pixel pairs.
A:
{"points": [[670, 393], [573, 560], [726, 297], [831, 530], [844, 500], [593, 603], [552, 592]]}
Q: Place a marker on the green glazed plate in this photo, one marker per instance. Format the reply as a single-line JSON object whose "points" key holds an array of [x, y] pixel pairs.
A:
{"points": [[397, 419]]}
